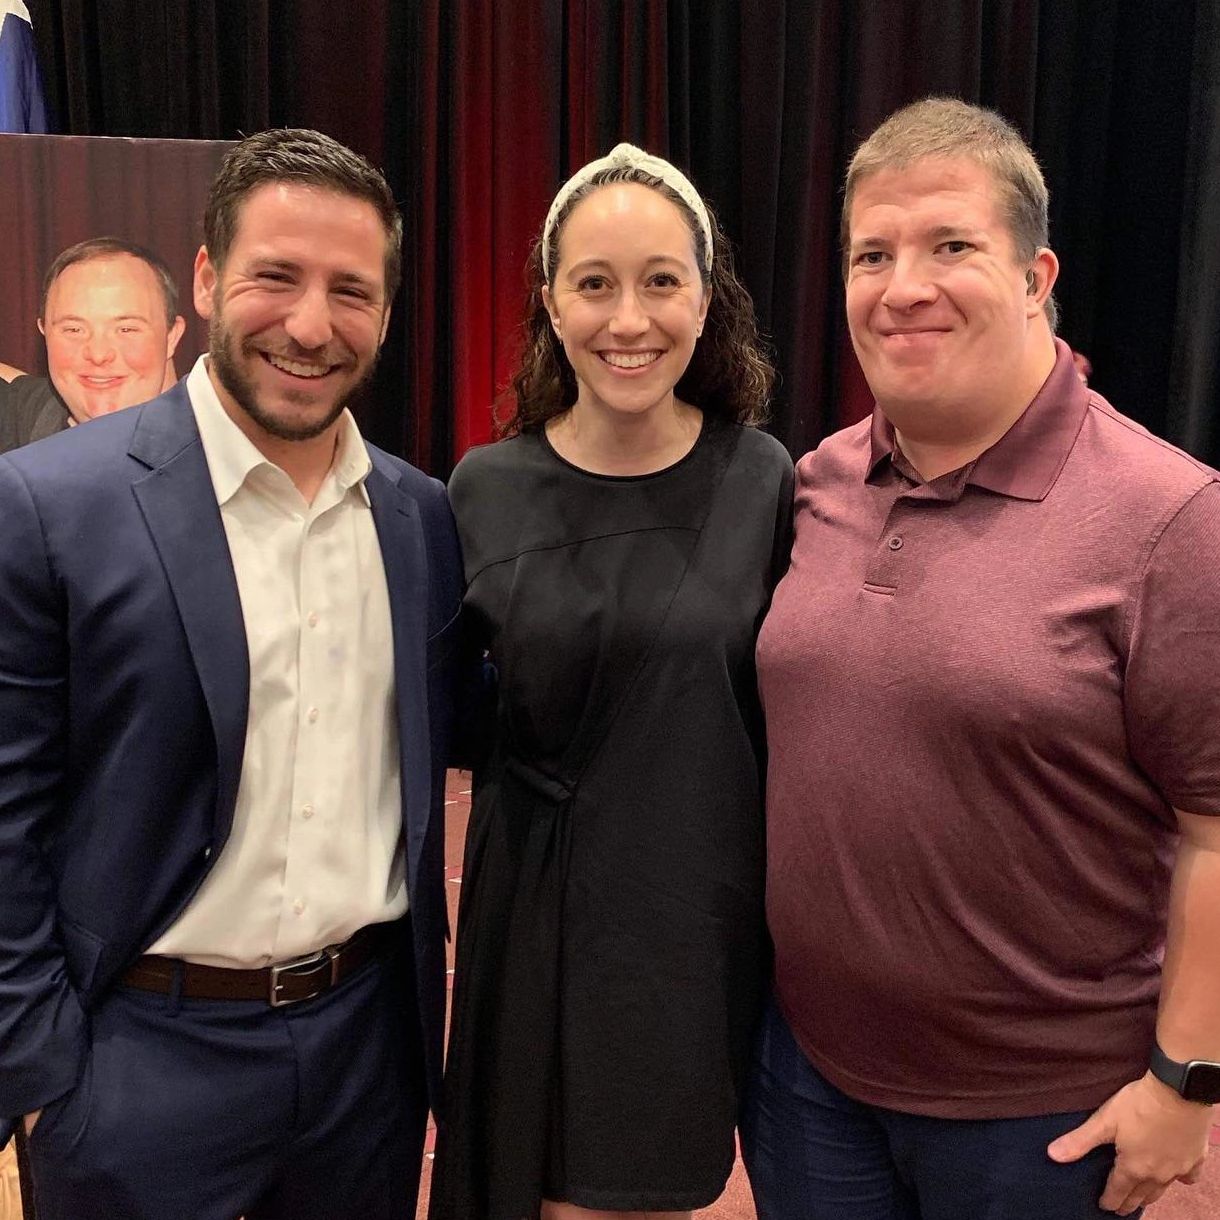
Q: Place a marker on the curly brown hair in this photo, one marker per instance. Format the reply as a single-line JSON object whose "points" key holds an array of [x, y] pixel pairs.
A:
{"points": [[730, 374]]}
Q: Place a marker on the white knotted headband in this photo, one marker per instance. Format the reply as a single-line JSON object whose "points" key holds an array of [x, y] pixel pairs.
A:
{"points": [[627, 156]]}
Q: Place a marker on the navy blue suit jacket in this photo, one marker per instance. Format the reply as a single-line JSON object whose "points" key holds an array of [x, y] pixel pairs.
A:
{"points": [[124, 684]]}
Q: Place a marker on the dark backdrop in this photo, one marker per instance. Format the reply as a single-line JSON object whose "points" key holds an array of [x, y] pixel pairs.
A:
{"points": [[479, 108]]}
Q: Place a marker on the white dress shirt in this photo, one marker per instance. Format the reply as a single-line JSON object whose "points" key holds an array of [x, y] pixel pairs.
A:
{"points": [[315, 851]]}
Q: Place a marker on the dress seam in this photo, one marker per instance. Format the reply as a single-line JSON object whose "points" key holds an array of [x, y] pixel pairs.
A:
{"points": [[559, 546]]}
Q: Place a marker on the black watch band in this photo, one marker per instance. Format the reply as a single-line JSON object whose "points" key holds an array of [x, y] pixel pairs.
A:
{"points": [[1196, 1080]]}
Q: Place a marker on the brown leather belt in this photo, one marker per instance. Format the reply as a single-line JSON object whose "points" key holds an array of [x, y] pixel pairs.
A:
{"points": [[290, 982]]}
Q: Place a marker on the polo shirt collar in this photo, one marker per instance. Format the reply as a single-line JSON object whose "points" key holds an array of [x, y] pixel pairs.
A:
{"points": [[232, 455], [1025, 462]]}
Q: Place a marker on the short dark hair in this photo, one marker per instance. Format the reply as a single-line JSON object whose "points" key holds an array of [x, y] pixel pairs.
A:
{"points": [[296, 154], [110, 247], [730, 375]]}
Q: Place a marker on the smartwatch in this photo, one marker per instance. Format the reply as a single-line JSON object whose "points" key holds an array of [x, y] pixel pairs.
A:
{"points": [[1196, 1080]]}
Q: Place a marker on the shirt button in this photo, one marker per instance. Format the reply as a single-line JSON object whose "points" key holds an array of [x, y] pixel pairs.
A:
{"points": [[895, 543], [307, 810], [312, 620], [299, 906], [312, 714]]}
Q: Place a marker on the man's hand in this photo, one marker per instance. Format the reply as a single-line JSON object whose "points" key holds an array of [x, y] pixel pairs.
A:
{"points": [[30, 1120], [1158, 1139]]}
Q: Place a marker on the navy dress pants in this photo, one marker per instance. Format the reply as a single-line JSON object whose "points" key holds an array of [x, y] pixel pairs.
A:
{"points": [[813, 1153], [214, 1109]]}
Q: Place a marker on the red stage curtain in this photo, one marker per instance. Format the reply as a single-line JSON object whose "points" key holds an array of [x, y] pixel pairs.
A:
{"points": [[479, 108]]}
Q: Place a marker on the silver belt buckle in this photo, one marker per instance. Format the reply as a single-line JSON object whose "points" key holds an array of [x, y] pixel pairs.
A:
{"points": [[310, 959]]}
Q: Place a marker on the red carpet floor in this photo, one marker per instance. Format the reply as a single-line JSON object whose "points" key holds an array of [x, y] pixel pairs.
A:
{"points": [[1201, 1202]]}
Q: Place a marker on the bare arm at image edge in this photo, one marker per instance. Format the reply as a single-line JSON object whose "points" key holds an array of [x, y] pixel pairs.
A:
{"points": [[1172, 702], [1159, 1137]]}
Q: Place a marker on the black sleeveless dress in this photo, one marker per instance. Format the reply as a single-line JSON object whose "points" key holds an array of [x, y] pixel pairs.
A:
{"points": [[612, 952]]}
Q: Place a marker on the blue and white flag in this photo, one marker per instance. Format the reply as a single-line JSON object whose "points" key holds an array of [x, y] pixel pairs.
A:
{"points": [[21, 103]]}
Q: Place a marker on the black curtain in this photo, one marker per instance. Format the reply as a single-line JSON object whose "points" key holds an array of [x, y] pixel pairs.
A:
{"points": [[1193, 412], [1111, 127], [762, 100]]}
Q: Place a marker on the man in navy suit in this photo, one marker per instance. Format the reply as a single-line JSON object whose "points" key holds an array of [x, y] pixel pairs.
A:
{"points": [[227, 630]]}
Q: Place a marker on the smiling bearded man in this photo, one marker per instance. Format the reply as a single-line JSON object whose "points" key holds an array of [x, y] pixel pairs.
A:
{"points": [[225, 662], [229, 356]]}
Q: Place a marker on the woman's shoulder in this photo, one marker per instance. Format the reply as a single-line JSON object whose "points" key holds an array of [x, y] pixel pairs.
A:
{"points": [[758, 450], [486, 464], [756, 441], [497, 454]]}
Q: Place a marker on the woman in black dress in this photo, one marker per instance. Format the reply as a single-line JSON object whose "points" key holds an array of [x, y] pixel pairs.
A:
{"points": [[620, 547]]}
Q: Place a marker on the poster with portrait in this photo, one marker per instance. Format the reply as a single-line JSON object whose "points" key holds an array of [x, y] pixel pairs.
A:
{"points": [[115, 224]]}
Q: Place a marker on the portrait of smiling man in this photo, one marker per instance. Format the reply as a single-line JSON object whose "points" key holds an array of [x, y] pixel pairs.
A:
{"points": [[109, 316], [224, 713], [997, 922]]}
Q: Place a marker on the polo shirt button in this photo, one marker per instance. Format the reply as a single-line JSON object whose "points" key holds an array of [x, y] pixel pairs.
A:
{"points": [[895, 543]]}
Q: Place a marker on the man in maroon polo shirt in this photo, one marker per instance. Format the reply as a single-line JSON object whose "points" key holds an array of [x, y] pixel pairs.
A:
{"points": [[992, 687]]}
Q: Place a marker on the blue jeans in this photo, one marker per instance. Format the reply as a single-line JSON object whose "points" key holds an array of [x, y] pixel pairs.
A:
{"points": [[812, 1153]]}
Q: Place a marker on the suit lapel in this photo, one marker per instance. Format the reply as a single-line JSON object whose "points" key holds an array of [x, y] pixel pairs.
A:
{"points": [[400, 536], [179, 506], [178, 502]]}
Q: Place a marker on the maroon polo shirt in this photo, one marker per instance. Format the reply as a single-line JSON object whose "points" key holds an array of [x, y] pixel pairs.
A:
{"points": [[984, 696]]}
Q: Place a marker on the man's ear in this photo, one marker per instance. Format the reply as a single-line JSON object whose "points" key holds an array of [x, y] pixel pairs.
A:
{"points": [[174, 337], [1040, 280], [42, 330], [204, 283]]}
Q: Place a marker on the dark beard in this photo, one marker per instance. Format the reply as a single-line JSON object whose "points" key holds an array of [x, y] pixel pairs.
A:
{"points": [[220, 354]]}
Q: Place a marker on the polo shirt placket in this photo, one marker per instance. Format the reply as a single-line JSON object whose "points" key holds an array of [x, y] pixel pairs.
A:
{"points": [[984, 694]]}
